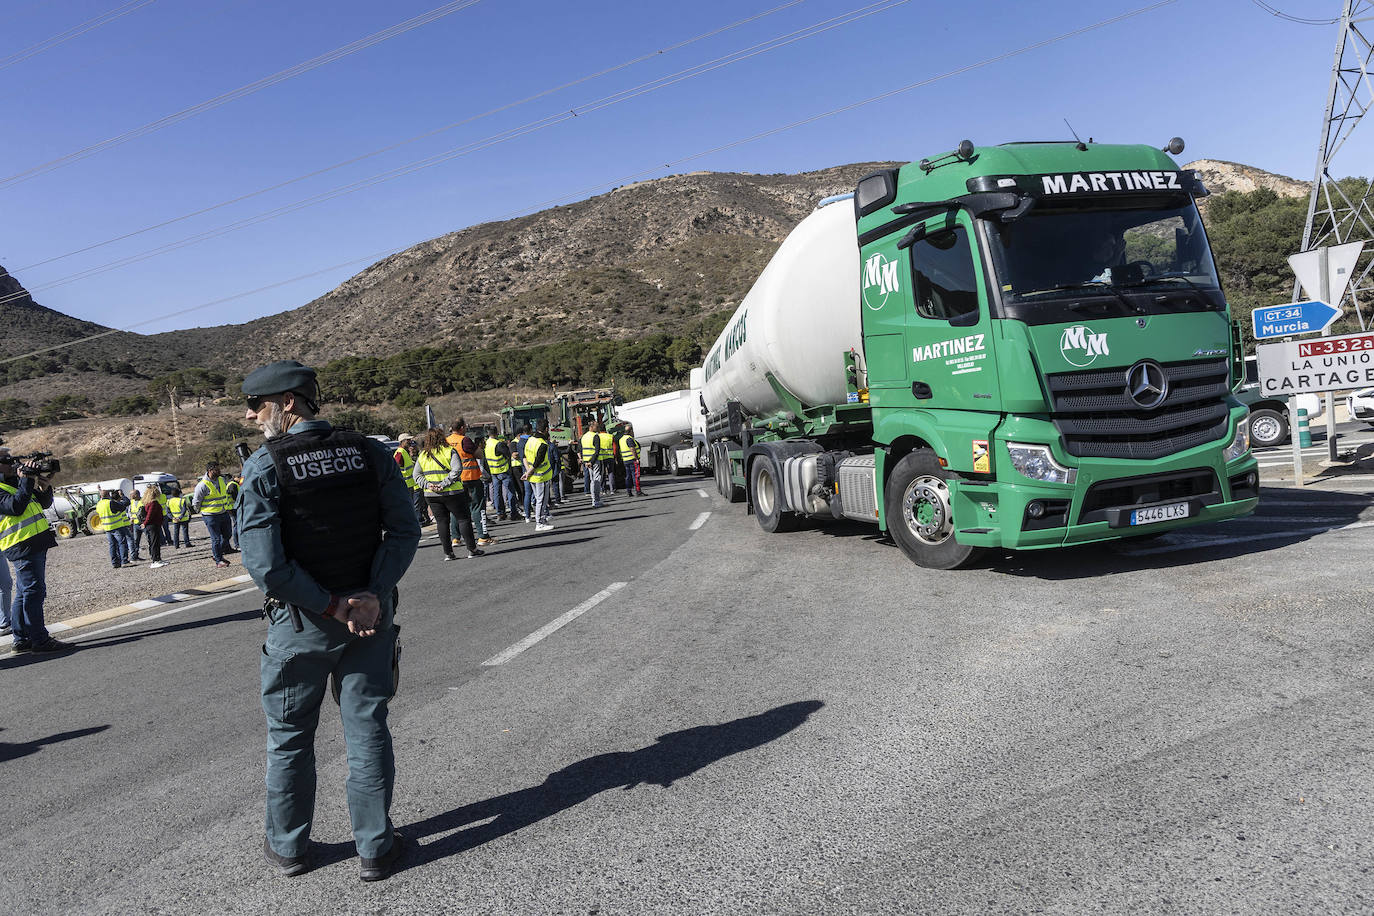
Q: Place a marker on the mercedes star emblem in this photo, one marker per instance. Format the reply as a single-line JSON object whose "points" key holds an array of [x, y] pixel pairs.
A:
{"points": [[1146, 384]]}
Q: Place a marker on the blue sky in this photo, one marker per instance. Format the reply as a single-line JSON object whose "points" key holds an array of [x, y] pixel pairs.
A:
{"points": [[1234, 81]]}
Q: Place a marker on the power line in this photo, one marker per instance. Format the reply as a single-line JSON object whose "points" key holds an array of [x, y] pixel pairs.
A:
{"points": [[638, 175], [120, 50], [75, 31], [486, 143], [242, 91], [430, 133], [1298, 19]]}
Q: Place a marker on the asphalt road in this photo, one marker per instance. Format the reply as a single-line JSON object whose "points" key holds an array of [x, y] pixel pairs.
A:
{"points": [[799, 723]]}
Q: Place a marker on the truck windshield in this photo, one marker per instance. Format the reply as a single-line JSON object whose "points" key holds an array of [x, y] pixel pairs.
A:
{"points": [[1067, 263]]}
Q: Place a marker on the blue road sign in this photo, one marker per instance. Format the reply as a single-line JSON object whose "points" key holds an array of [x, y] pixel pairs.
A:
{"points": [[1295, 318]]}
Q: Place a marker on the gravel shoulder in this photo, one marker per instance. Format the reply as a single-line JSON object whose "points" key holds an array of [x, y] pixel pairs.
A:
{"points": [[81, 580]]}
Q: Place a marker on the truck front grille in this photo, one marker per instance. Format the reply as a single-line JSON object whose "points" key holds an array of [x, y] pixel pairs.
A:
{"points": [[1096, 417]]}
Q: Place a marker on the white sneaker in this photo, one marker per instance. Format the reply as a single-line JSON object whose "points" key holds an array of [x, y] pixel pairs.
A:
{"points": [[543, 527], [159, 564]]}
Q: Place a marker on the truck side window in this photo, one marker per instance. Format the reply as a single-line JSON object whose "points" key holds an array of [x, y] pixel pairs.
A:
{"points": [[944, 282]]}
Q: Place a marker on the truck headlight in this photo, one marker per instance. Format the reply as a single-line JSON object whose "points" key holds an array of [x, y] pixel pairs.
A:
{"points": [[1037, 463], [1241, 443]]}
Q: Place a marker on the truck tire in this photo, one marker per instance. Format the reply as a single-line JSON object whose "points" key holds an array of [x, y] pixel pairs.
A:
{"points": [[64, 529], [93, 522], [919, 516], [765, 489], [1268, 427]]}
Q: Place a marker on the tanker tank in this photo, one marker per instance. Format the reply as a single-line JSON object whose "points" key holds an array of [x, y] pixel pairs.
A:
{"points": [[797, 321], [663, 419]]}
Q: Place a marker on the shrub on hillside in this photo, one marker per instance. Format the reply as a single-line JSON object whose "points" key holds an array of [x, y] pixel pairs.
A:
{"points": [[131, 406], [229, 430]]}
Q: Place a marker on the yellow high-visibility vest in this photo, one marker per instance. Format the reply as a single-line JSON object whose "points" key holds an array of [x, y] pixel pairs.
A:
{"points": [[629, 449], [179, 509], [589, 450], [407, 468], [606, 444], [110, 517], [217, 501], [16, 529], [496, 464], [435, 466], [542, 471]]}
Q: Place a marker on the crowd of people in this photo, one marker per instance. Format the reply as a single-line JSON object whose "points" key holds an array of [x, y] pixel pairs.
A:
{"points": [[454, 478], [164, 518]]}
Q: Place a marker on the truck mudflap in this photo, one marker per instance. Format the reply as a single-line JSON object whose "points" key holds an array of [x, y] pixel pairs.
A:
{"points": [[1023, 515]]}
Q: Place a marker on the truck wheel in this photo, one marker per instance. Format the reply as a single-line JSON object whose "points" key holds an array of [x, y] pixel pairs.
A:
{"points": [[919, 515], [65, 529], [93, 522], [764, 488], [1268, 427]]}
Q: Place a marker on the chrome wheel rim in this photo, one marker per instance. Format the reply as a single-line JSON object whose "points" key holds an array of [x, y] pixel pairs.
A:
{"points": [[925, 510]]}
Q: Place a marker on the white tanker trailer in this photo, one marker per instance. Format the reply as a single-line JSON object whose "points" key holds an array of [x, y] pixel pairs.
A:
{"points": [[801, 313], [664, 425]]}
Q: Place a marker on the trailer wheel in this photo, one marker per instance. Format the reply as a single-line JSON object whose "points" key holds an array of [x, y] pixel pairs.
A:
{"points": [[763, 487], [919, 515], [733, 491]]}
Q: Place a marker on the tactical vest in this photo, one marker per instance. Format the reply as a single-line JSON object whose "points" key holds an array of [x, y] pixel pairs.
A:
{"points": [[629, 449], [407, 468], [436, 466], [543, 470], [330, 507], [110, 517], [496, 464], [589, 449], [217, 499], [16, 529], [471, 469], [178, 509], [605, 442]]}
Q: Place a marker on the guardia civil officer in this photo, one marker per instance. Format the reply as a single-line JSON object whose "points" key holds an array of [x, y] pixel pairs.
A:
{"points": [[328, 528]]}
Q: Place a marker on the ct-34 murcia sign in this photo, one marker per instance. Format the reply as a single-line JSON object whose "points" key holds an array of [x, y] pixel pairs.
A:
{"points": [[1310, 366]]}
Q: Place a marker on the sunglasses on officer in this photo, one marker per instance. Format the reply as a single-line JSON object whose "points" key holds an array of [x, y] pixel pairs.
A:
{"points": [[255, 401]]}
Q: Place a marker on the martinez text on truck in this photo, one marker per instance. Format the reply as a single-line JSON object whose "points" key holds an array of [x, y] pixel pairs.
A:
{"points": [[1023, 346]]}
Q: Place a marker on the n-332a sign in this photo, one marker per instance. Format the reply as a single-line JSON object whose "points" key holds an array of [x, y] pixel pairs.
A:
{"points": [[1311, 366]]}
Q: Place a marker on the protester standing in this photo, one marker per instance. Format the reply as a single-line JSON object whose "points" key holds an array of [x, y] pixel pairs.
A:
{"points": [[212, 500], [591, 464], [404, 456], [629, 456], [538, 472], [151, 517], [179, 511], [113, 512], [497, 452], [439, 472]]}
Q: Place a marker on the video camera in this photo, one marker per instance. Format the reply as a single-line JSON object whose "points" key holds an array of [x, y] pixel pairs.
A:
{"points": [[41, 464]]}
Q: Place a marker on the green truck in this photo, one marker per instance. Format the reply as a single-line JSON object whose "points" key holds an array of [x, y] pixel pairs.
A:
{"points": [[1019, 347]]}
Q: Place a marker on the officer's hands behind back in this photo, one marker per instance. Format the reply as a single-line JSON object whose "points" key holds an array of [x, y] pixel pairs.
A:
{"points": [[362, 614]]}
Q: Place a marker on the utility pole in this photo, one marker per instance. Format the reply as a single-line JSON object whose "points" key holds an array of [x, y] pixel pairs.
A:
{"points": [[176, 429], [1333, 215]]}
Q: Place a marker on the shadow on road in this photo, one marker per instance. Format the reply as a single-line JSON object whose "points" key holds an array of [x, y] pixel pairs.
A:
{"points": [[674, 756], [16, 749], [106, 642]]}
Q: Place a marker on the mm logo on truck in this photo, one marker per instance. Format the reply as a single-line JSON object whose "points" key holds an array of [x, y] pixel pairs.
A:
{"points": [[1081, 347], [880, 281]]}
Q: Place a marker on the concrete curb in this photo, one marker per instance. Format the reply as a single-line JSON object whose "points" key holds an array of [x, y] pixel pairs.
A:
{"points": [[190, 594]]}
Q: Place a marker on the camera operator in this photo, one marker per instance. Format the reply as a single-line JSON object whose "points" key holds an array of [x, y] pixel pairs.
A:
{"points": [[25, 539]]}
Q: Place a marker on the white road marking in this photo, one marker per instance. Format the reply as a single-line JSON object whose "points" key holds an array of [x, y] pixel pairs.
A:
{"points": [[700, 520], [703, 494], [556, 624], [166, 613]]}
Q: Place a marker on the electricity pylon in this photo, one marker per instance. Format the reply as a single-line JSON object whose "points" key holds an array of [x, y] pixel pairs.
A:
{"points": [[1333, 216]]}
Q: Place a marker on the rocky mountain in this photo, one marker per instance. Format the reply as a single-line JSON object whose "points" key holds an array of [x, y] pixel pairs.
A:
{"points": [[1220, 176], [664, 256]]}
